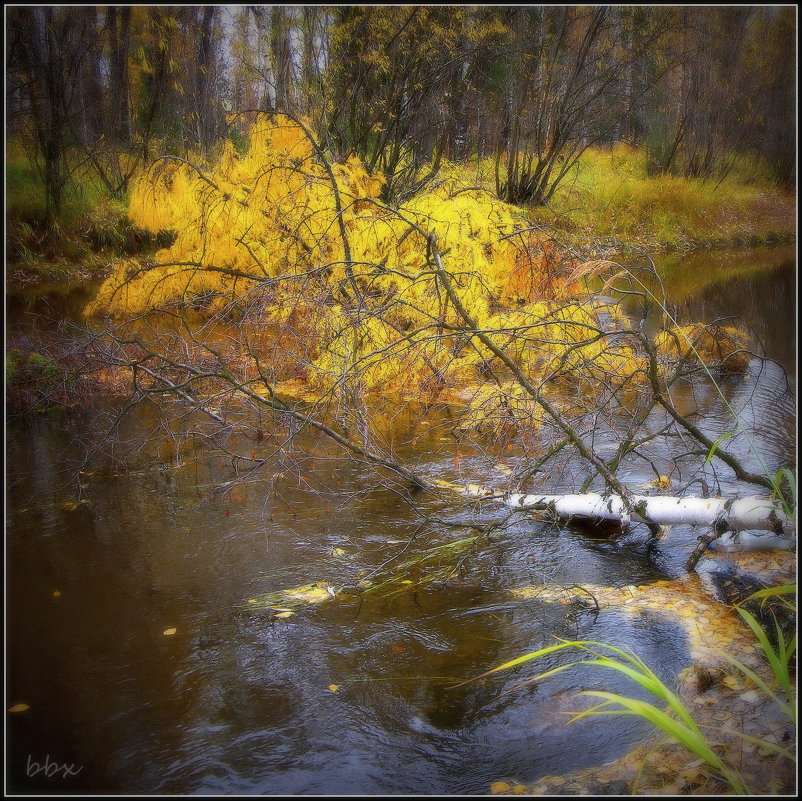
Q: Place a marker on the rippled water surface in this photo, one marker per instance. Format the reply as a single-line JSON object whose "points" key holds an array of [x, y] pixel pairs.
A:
{"points": [[101, 565]]}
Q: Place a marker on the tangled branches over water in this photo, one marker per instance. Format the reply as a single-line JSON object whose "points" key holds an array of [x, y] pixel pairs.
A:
{"points": [[292, 291]]}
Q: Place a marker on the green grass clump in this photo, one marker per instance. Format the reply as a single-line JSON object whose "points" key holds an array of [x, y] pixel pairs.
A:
{"points": [[671, 716], [610, 195], [90, 230], [35, 382], [25, 192]]}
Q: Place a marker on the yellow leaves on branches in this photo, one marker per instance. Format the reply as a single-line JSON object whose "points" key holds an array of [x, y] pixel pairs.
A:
{"points": [[262, 215], [348, 288], [721, 345]]}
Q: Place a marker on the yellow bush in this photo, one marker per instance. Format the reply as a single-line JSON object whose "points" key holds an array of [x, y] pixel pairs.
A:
{"points": [[358, 278], [720, 346]]}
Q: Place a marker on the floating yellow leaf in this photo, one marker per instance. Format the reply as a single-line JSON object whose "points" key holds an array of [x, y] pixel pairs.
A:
{"points": [[519, 789], [56, 594], [500, 787], [169, 632], [334, 687], [661, 482], [19, 708], [309, 593], [284, 614], [337, 552]]}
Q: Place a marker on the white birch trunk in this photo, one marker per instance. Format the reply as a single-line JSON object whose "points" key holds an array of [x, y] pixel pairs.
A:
{"points": [[753, 541], [727, 515]]}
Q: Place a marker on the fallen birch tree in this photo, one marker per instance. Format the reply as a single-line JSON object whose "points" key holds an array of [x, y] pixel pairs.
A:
{"points": [[764, 522], [735, 514], [301, 277], [743, 523]]}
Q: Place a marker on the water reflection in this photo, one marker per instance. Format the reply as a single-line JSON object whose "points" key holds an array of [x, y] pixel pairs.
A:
{"points": [[235, 701], [238, 702], [757, 287]]}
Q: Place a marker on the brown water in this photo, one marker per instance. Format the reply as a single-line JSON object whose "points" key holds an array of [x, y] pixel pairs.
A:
{"points": [[757, 286], [236, 702]]}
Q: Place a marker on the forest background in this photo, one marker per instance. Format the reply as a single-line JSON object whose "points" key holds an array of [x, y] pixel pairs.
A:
{"points": [[659, 126]]}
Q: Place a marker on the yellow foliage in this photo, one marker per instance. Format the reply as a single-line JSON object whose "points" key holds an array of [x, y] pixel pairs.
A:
{"points": [[550, 341], [723, 347], [495, 407], [378, 354], [352, 285], [486, 240]]}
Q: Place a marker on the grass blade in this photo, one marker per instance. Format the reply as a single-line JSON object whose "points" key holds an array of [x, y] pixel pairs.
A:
{"points": [[691, 739], [779, 667], [714, 447], [521, 660]]}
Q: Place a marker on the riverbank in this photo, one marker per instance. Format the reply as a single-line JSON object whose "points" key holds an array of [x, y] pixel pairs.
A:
{"points": [[607, 204], [739, 721], [90, 233], [610, 200], [765, 220], [82, 249]]}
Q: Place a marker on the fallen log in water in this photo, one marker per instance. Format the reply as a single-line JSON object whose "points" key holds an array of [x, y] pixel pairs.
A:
{"points": [[735, 514], [721, 515], [746, 523], [734, 524]]}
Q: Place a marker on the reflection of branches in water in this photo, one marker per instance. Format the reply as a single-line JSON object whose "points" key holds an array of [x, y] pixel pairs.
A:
{"points": [[764, 402]]}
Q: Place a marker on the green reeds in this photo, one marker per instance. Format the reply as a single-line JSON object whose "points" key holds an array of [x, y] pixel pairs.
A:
{"points": [[779, 659], [680, 726], [674, 719]]}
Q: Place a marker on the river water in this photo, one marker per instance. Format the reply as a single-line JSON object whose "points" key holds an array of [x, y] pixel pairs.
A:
{"points": [[354, 696]]}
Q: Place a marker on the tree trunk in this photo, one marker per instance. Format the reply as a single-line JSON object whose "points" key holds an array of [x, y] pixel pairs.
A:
{"points": [[264, 60], [119, 44], [204, 67], [718, 513], [281, 56], [311, 83]]}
